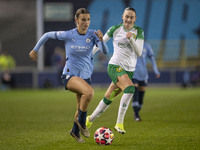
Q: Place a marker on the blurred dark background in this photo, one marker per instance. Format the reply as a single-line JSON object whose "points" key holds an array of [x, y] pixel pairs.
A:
{"points": [[172, 27]]}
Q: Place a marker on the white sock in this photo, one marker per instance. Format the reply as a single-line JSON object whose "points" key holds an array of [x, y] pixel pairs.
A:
{"points": [[124, 103], [98, 111]]}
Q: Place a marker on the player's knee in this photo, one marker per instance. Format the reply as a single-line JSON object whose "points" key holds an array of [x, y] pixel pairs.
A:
{"points": [[129, 89], [89, 94]]}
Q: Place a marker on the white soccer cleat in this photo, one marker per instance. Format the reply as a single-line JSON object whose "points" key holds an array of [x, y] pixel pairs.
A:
{"points": [[138, 119]]}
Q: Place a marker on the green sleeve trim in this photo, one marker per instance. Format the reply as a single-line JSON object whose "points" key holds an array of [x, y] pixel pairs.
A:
{"points": [[107, 101], [140, 33], [112, 30]]}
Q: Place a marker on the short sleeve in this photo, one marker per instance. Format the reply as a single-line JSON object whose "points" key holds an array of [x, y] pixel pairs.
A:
{"points": [[140, 33], [112, 30]]}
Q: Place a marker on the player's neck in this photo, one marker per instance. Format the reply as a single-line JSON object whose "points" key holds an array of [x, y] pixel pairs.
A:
{"points": [[128, 28], [81, 31]]}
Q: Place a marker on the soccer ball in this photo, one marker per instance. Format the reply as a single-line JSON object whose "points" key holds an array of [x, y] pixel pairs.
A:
{"points": [[103, 136]]}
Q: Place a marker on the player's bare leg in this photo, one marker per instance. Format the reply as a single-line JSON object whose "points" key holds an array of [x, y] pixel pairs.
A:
{"points": [[84, 95], [81, 87]]}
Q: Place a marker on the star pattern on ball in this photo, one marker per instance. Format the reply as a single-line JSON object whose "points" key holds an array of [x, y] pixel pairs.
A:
{"points": [[100, 136], [104, 136]]}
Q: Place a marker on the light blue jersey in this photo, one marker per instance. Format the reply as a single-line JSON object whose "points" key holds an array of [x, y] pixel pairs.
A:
{"points": [[78, 49], [141, 72]]}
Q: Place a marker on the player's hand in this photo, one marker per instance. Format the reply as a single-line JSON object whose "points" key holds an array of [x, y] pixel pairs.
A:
{"points": [[157, 76], [100, 35], [129, 35], [33, 55]]}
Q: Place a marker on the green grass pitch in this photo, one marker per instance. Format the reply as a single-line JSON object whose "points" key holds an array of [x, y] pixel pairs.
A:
{"points": [[42, 119]]}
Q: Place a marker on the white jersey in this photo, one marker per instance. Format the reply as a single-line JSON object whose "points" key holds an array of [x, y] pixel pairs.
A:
{"points": [[124, 54]]}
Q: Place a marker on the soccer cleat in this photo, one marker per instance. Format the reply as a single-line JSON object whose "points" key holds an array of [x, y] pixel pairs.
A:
{"points": [[84, 131], [137, 118], [88, 123], [78, 138], [119, 127]]}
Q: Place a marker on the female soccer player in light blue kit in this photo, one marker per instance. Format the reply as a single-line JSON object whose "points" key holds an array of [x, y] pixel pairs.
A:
{"points": [[128, 42], [79, 43], [140, 78]]}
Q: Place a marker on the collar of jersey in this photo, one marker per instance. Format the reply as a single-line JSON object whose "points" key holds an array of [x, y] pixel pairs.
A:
{"points": [[79, 33], [128, 30]]}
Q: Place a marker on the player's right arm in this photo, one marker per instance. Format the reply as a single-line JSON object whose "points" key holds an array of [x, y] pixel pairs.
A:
{"points": [[60, 35], [150, 55], [33, 55], [42, 40]]}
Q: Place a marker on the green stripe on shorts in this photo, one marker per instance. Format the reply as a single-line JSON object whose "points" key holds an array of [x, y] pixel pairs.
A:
{"points": [[114, 71]]}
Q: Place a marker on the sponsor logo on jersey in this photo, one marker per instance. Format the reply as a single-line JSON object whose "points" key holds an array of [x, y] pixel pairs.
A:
{"points": [[119, 35], [119, 69], [124, 45], [80, 48]]}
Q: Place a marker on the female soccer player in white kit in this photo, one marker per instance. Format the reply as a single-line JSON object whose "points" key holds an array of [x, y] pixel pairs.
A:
{"points": [[128, 42], [76, 76]]}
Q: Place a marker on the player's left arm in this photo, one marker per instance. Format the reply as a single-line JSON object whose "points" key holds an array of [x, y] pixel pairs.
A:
{"points": [[101, 44], [155, 68], [138, 42], [137, 45], [153, 61]]}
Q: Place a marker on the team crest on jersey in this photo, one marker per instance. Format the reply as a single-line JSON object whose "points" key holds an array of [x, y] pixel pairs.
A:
{"points": [[88, 40], [134, 36], [119, 69]]}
